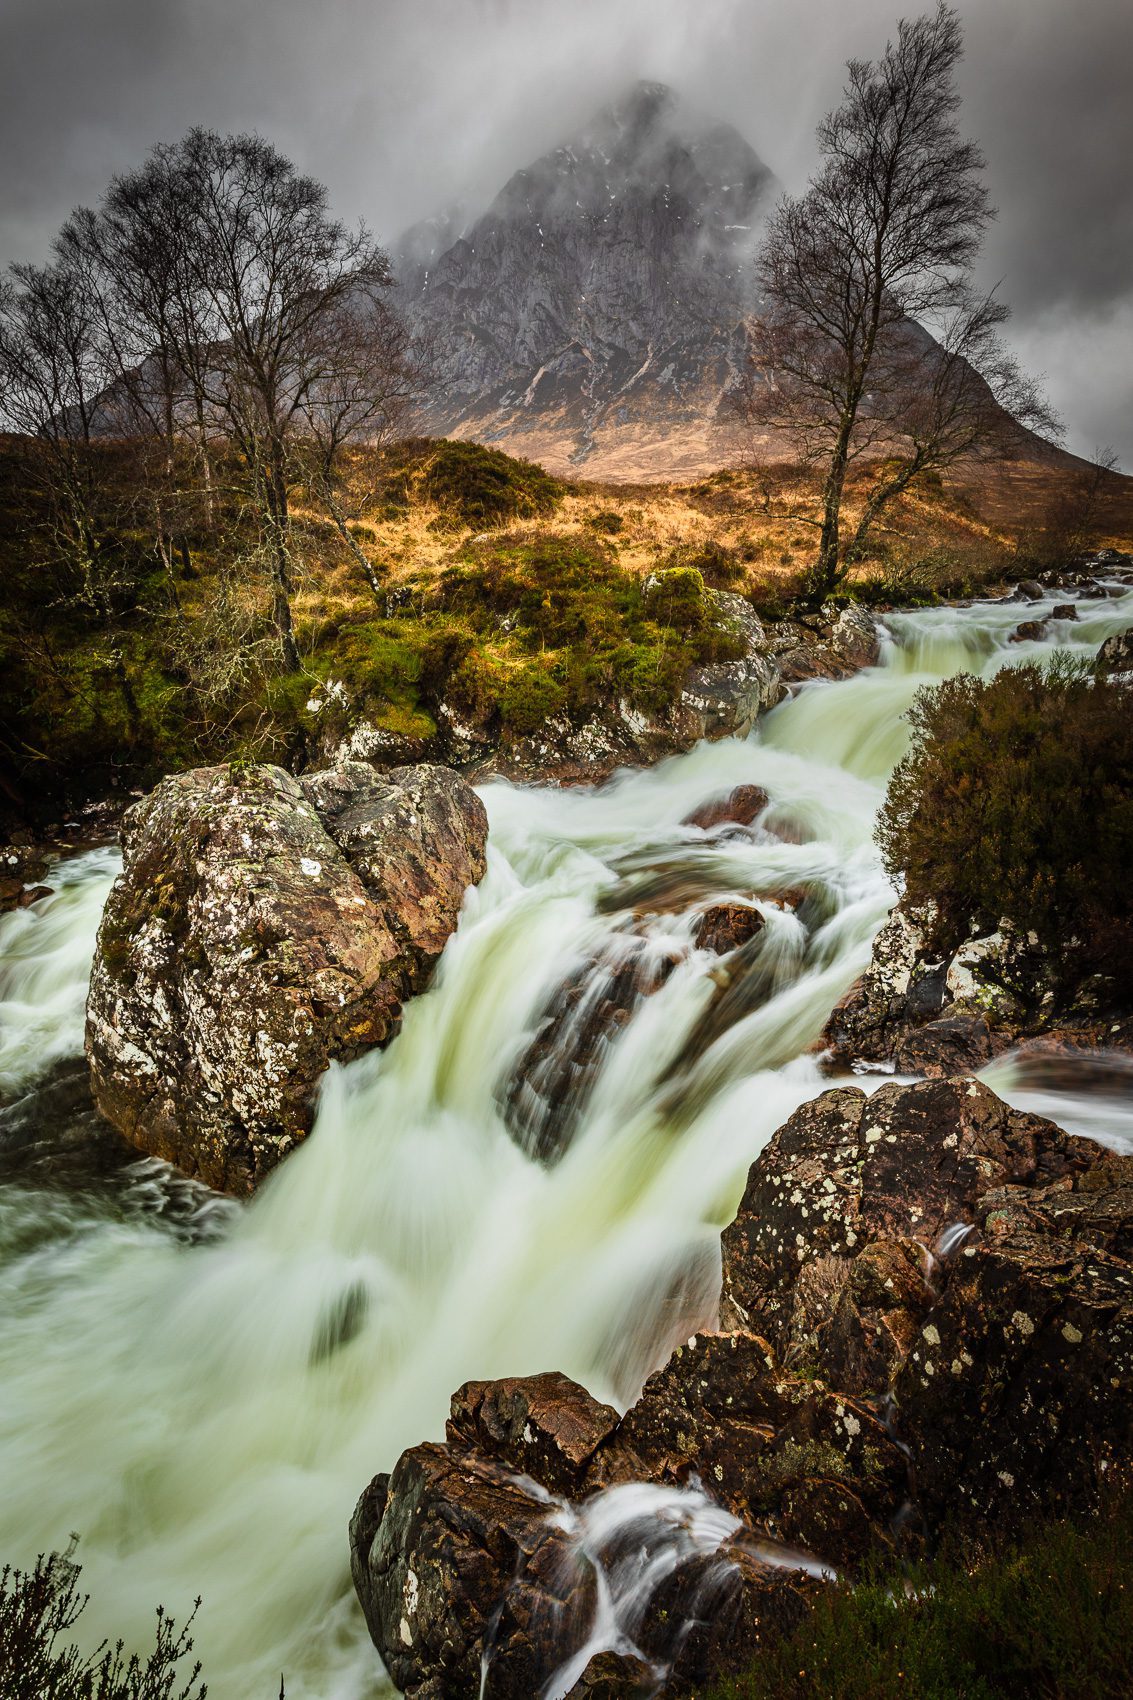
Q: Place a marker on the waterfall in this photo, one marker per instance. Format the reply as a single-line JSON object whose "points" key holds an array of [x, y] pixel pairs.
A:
{"points": [[202, 1394]]}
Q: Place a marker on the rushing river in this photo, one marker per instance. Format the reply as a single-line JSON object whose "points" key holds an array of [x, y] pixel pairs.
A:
{"points": [[177, 1382]]}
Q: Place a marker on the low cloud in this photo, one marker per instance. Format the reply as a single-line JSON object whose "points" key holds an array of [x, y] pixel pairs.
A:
{"points": [[404, 107]]}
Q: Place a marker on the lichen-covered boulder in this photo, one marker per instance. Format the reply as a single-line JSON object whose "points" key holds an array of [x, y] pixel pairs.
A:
{"points": [[261, 927], [1115, 657], [850, 1175], [724, 699], [939, 1011]]}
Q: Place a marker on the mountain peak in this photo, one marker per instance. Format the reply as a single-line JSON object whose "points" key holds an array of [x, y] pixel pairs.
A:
{"points": [[607, 283]]}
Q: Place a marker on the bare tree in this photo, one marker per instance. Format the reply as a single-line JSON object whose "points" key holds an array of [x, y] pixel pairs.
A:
{"points": [[56, 365], [879, 248], [366, 370], [1075, 515], [273, 279]]}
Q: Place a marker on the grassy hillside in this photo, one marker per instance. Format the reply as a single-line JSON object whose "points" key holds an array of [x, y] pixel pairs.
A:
{"points": [[464, 578]]}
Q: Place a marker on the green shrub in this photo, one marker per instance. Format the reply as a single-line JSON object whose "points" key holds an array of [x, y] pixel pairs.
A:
{"points": [[1016, 800], [485, 488], [1050, 1618], [39, 1607], [607, 520]]}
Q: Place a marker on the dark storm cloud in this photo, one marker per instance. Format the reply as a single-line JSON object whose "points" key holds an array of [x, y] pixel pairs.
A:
{"points": [[406, 106]]}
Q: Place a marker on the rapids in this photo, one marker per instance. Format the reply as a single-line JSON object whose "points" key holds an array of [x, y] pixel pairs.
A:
{"points": [[202, 1391]]}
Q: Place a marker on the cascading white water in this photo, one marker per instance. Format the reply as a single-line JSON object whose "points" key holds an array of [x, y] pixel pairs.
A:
{"points": [[205, 1415]]}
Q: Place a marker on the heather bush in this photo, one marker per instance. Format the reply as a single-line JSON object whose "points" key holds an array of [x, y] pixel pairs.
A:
{"points": [[1048, 1618], [38, 1660], [1015, 800], [485, 488]]}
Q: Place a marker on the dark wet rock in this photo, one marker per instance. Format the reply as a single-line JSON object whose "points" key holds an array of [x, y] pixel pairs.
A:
{"points": [[1028, 631], [1115, 657], [847, 1171], [742, 806], [454, 1558], [615, 1676], [707, 1620], [243, 948], [813, 1468], [551, 1081], [464, 1565], [726, 926], [1018, 1397], [33, 894], [1029, 590], [954, 1044], [1064, 611], [543, 1426]]}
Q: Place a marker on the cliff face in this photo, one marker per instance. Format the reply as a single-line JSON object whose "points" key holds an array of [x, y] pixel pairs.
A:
{"points": [[593, 317]]}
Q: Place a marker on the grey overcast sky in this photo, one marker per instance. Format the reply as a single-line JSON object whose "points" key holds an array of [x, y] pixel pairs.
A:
{"points": [[404, 107]]}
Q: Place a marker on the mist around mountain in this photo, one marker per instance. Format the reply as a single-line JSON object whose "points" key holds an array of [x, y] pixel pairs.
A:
{"points": [[593, 317]]}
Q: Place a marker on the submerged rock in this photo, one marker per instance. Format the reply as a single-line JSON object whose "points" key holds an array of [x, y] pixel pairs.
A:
{"points": [[261, 927], [741, 806], [551, 1081]]}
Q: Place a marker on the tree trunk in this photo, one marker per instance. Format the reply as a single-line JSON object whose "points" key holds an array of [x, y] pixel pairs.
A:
{"points": [[827, 570], [368, 569], [276, 492]]}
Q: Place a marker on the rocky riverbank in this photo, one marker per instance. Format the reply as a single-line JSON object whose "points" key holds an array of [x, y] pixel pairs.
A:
{"points": [[926, 1316]]}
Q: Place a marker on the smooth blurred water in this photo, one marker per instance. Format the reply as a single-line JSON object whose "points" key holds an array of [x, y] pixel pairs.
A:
{"points": [[206, 1415]]}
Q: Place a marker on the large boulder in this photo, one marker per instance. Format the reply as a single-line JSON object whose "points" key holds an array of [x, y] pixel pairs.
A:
{"points": [[261, 927], [477, 1578], [832, 1253]]}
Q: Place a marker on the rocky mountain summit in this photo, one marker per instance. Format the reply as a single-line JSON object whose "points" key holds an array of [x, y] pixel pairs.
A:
{"points": [[594, 314]]}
